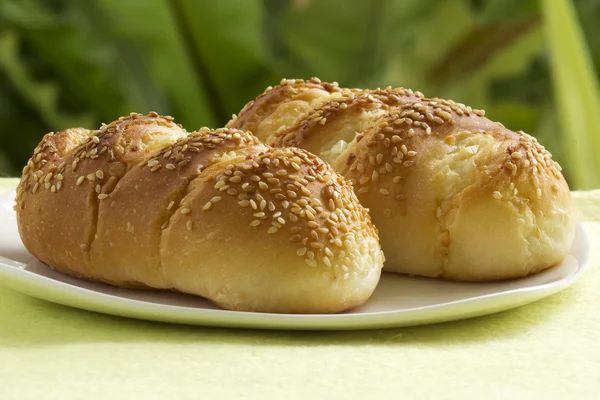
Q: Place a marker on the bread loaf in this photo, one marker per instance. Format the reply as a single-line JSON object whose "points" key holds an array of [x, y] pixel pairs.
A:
{"points": [[141, 203], [453, 194]]}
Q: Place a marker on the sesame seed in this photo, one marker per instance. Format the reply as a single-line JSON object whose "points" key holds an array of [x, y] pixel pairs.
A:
{"points": [[516, 155], [102, 196], [220, 184], [384, 192], [215, 199], [311, 263], [153, 163], [98, 188], [99, 174], [170, 167], [375, 176], [396, 139], [80, 180], [185, 211], [189, 225], [407, 163], [171, 204], [255, 223], [497, 195], [206, 206]]}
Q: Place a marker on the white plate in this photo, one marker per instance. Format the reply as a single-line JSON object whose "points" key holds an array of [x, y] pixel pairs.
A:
{"points": [[398, 300]]}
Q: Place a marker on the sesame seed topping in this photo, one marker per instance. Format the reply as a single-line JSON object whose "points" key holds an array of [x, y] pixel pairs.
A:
{"points": [[80, 180], [497, 195], [185, 211]]}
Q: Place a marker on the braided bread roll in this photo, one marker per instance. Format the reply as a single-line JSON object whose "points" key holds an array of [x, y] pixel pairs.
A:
{"points": [[453, 194], [141, 203]]}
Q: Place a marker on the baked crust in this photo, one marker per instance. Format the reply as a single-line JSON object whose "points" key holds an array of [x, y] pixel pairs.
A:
{"points": [[453, 194], [141, 203]]}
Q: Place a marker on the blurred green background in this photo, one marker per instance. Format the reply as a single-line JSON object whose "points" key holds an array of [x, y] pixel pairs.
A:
{"points": [[532, 64]]}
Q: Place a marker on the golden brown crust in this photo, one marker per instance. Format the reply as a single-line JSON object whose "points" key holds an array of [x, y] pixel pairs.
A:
{"points": [[419, 164], [213, 213], [290, 92]]}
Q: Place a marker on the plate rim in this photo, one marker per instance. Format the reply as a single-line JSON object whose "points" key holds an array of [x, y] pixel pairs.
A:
{"points": [[67, 294]]}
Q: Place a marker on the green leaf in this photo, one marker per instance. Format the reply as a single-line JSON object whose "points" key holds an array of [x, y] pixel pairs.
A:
{"points": [[227, 43], [577, 93], [458, 53], [75, 51], [43, 96], [348, 42], [153, 34]]}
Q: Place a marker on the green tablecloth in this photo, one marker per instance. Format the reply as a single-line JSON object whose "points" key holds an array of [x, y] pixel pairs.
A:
{"points": [[549, 349]]}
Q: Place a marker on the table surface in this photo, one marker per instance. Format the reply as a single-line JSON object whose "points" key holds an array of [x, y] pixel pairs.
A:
{"points": [[548, 349]]}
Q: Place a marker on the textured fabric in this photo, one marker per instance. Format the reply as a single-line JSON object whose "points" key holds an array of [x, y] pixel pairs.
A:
{"points": [[547, 350]]}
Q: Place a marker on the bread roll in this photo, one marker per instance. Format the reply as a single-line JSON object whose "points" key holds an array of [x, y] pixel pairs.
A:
{"points": [[453, 194], [141, 203]]}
